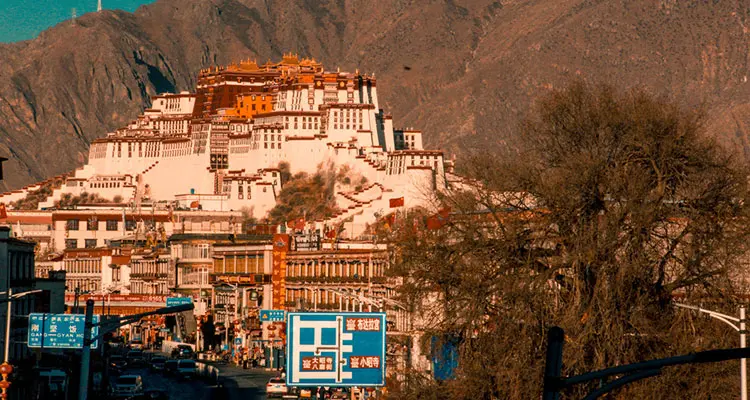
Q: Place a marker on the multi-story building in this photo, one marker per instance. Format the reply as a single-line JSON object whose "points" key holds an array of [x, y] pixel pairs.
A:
{"points": [[231, 135], [17, 274]]}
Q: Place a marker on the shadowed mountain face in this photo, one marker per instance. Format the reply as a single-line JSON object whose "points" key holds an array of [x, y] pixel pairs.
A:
{"points": [[464, 71]]}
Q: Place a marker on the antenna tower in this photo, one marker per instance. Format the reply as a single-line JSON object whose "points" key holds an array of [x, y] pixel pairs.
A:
{"points": [[98, 5]]}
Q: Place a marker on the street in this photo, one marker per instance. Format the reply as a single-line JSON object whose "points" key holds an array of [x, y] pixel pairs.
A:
{"points": [[236, 383]]}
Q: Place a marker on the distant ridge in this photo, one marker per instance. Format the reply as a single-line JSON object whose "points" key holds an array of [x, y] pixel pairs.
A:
{"points": [[463, 71]]}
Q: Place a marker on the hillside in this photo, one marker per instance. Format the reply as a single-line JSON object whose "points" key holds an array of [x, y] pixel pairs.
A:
{"points": [[463, 71]]}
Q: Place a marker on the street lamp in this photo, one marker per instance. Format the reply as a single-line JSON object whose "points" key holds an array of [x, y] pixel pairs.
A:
{"points": [[738, 324], [5, 367]]}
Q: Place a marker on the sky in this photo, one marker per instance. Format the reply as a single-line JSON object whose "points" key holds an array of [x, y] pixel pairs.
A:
{"points": [[25, 19]]}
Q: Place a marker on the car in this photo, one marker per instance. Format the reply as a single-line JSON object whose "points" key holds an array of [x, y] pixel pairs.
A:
{"points": [[276, 387], [136, 344], [135, 358], [157, 363], [182, 351], [170, 367], [128, 386], [117, 363], [186, 369]]}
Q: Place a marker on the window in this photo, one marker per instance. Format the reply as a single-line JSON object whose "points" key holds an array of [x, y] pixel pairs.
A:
{"points": [[72, 225], [71, 243], [92, 224], [116, 273], [90, 243], [111, 225], [130, 225]]}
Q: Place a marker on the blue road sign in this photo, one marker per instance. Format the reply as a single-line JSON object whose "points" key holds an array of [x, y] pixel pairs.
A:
{"points": [[61, 331], [335, 349], [237, 341], [178, 301], [272, 315]]}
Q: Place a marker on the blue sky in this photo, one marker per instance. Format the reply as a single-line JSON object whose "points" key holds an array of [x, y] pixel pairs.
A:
{"points": [[24, 19]]}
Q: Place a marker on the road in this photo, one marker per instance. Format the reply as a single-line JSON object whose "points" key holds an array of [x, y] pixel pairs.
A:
{"points": [[178, 389], [238, 384]]}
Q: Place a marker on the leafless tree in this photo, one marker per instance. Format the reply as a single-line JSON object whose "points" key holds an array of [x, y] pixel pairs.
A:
{"points": [[616, 203]]}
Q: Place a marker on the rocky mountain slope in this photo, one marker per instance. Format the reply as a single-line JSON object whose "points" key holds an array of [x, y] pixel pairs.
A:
{"points": [[464, 71]]}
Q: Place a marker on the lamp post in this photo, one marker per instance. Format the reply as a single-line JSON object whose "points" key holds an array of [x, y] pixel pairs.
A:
{"points": [[5, 367], [738, 324]]}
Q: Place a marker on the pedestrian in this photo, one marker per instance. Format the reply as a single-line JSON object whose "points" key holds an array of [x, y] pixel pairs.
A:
{"points": [[244, 359]]}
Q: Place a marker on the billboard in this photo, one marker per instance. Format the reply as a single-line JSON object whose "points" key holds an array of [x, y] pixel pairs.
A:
{"points": [[60, 331], [178, 301], [335, 349]]}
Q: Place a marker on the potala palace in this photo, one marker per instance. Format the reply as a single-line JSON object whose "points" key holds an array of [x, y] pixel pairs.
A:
{"points": [[219, 148], [174, 187]]}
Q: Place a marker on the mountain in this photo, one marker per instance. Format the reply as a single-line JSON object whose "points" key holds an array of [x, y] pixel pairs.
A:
{"points": [[464, 71]]}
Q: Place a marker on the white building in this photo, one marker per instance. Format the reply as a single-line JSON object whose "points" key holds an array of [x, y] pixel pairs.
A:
{"points": [[219, 148]]}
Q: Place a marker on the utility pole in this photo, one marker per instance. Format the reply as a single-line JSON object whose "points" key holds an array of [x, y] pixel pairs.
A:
{"points": [[99, 6], [86, 354], [7, 325]]}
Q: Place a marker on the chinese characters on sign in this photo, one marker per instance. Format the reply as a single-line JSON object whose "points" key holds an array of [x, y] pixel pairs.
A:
{"points": [[336, 349], [61, 331], [278, 272], [272, 315], [317, 363], [357, 362], [363, 324]]}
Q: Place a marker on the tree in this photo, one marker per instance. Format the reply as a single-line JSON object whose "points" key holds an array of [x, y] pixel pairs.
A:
{"points": [[615, 203]]}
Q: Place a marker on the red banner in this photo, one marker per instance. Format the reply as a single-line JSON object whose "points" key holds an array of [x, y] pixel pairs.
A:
{"points": [[117, 298], [278, 274]]}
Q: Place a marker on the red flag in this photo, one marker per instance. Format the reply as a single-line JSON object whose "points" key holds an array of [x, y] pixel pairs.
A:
{"points": [[331, 234], [195, 204], [397, 202], [290, 224], [3, 212]]}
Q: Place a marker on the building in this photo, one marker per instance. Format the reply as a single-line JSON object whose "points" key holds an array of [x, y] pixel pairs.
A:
{"points": [[17, 274], [229, 137]]}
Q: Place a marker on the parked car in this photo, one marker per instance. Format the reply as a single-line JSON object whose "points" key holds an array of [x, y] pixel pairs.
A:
{"points": [[128, 386], [186, 369], [276, 387], [182, 351], [157, 363], [170, 367]]}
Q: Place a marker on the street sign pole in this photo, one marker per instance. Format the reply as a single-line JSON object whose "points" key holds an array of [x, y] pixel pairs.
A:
{"points": [[86, 355]]}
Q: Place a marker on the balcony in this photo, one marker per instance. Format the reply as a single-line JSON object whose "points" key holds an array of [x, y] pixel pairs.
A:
{"points": [[148, 276]]}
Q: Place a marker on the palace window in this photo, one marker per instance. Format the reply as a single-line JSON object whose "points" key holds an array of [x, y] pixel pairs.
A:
{"points": [[130, 225], [111, 225], [72, 225], [92, 224], [90, 243], [71, 243]]}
